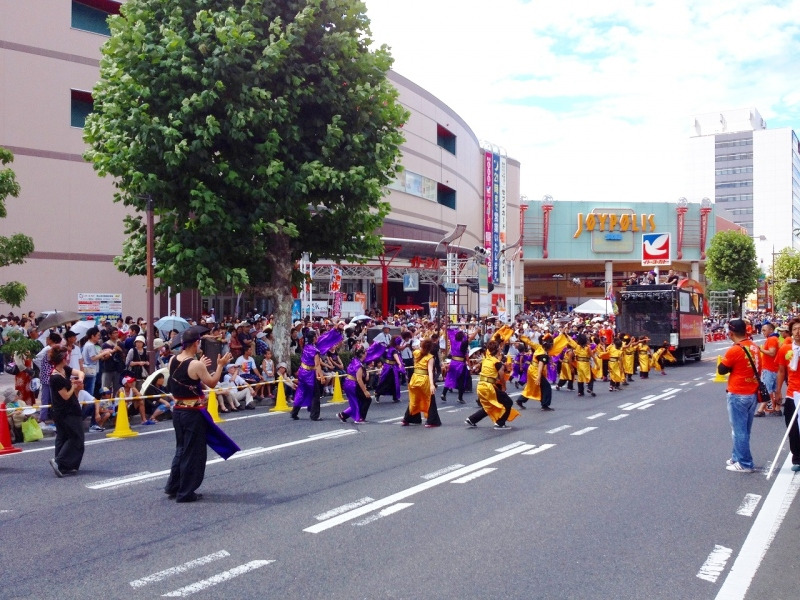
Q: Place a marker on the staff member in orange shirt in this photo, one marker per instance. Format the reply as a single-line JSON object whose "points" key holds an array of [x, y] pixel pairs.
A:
{"points": [[789, 371], [742, 393], [769, 370]]}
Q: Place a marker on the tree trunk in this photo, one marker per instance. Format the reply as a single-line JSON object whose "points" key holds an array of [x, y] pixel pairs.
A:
{"points": [[280, 291]]}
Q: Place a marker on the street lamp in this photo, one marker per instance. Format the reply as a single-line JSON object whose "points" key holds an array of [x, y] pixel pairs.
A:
{"points": [[558, 277]]}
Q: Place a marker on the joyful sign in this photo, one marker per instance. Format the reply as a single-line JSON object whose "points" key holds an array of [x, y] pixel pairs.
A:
{"points": [[615, 222]]}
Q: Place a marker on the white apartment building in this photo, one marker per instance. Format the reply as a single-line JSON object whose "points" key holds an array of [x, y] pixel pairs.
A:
{"points": [[750, 171]]}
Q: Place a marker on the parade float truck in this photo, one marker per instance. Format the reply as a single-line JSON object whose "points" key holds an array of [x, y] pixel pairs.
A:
{"points": [[665, 312]]}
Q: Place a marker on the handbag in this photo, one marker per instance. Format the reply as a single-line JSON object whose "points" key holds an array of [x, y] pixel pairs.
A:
{"points": [[31, 430], [11, 368], [763, 394]]}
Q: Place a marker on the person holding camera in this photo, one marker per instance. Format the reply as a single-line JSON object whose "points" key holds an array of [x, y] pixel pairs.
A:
{"points": [[65, 383]]}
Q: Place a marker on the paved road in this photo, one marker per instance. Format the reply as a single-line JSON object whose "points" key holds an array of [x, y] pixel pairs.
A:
{"points": [[620, 496]]}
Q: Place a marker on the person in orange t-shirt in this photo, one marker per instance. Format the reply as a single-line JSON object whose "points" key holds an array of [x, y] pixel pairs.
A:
{"points": [[742, 393], [789, 370], [769, 369]]}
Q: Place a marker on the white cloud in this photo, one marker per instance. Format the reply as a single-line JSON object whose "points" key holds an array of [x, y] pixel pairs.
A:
{"points": [[595, 98]]}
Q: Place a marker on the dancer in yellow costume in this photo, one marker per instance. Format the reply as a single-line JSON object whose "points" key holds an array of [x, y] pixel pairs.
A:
{"points": [[494, 401], [422, 389], [629, 347], [597, 363], [537, 387], [616, 376], [583, 357], [644, 353], [662, 356]]}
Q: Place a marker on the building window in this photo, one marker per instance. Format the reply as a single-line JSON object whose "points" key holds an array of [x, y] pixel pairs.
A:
{"points": [[82, 104], [445, 139], [446, 196], [733, 184], [732, 143], [92, 15], [738, 156]]}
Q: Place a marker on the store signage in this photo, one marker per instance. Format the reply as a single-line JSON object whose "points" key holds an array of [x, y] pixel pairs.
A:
{"points": [[612, 221], [655, 250]]}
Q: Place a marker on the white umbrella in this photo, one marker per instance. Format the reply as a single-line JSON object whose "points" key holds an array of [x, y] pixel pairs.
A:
{"points": [[361, 318], [81, 327], [167, 324], [150, 378]]}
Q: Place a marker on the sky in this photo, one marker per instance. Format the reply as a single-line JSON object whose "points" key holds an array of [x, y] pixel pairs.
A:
{"points": [[597, 98]]}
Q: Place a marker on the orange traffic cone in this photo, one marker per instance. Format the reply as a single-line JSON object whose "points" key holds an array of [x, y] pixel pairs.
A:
{"points": [[122, 428], [338, 398], [280, 398], [5, 434], [213, 407]]}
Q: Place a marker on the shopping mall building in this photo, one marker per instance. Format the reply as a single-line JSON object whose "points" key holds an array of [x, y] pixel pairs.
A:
{"points": [[49, 63]]}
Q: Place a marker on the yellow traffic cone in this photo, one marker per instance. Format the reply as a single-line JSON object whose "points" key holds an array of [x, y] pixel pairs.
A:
{"points": [[338, 397], [280, 398], [213, 407], [122, 428], [717, 377]]}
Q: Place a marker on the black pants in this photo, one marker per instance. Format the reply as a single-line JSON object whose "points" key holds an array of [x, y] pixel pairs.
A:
{"points": [[69, 443], [794, 434], [589, 386], [433, 415], [189, 463], [547, 392], [503, 399], [314, 408], [363, 402]]}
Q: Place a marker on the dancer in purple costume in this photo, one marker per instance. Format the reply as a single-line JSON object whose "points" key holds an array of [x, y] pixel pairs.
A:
{"points": [[389, 380], [524, 360], [355, 388], [310, 376], [457, 372]]}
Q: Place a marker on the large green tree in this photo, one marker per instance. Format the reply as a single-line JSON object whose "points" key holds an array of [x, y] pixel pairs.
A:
{"points": [[14, 249], [731, 263], [786, 278], [259, 129]]}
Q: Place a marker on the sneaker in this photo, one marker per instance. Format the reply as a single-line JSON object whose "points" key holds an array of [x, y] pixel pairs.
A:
{"points": [[739, 468], [96, 428], [521, 404], [795, 467], [403, 424], [470, 423], [56, 470], [777, 413], [546, 408], [342, 418], [759, 414], [48, 427], [149, 422], [429, 426], [502, 427]]}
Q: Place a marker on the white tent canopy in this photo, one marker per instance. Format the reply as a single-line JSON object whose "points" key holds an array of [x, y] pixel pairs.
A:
{"points": [[595, 306]]}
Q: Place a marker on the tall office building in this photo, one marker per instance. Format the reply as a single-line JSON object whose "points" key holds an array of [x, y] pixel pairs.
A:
{"points": [[750, 171]]}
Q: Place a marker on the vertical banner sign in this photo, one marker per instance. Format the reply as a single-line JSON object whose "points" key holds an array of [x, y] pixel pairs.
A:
{"points": [[494, 275], [487, 201], [503, 219], [336, 280], [337, 305], [483, 291]]}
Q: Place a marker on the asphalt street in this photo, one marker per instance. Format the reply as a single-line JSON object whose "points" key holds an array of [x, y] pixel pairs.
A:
{"points": [[621, 496]]}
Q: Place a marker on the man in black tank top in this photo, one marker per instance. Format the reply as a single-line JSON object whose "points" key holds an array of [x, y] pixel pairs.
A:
{"points": [[187, 377]]}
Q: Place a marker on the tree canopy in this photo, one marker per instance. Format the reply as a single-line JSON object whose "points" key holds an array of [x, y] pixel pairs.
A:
{"points": [[14, 249], [731, 263], [787, 268], [260, 129]]}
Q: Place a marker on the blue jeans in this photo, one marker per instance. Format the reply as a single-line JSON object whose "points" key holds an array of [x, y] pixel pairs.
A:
{"points": [[741, 408]]}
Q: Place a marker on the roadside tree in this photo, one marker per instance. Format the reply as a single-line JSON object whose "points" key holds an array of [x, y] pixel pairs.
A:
{"points": [[14, 249], [731, 264]]}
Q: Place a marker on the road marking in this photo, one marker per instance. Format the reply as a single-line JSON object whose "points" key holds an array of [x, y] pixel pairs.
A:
{"points": [[627, 404], [646, 406], [597, 416], [715, 563], [343, 508], [187, 566], [509, 447], [474, 475], [695, 379], [686, 383], [763, 531], [384, 513], [541, 448], [391, 420], [218, 578], [618, 417], [562, 428], [700, 383], [584, 430], [748, 505], [650, 399], [402, 495], [145, 475], [442, 471]]}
